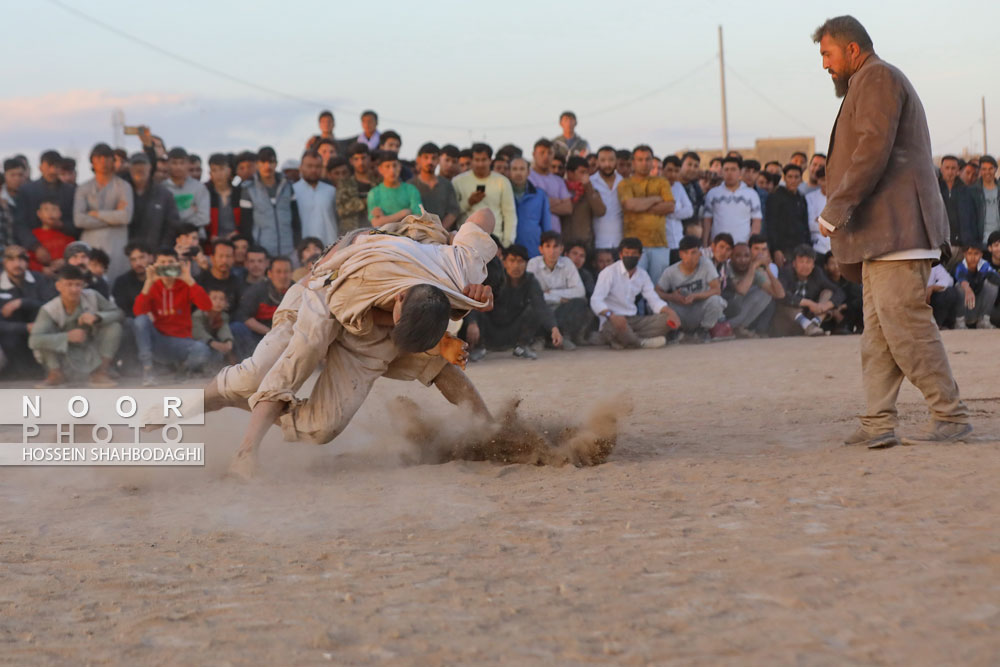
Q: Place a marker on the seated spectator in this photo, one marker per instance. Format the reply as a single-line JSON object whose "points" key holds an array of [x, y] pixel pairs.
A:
{"points": [[50, 237], [978, 282], [241, 244], [719, 253], [787, 217], [993, 250], [577, 253], [603, 258], [128, 285], [751, 294], [849, 316], [220, 275], [352, 192], [391, 200], [944, 298], [211, 327], [187, 244], [758, 246], [257, 306], [256, 263], [162, 323], [810, 297], [562, 288], [532, 207], [691, 287], [97, 264], [78, 254], [155, 215], [102, 208], [309, 250], [22, 293], [519, 310], [76, 334], [436, 192], [586, 203], [614, 299]]}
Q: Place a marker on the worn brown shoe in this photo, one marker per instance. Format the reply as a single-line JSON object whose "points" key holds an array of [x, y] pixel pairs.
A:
{"points": [[870, 440], [939, 433], [101, 380], [55, 378]]}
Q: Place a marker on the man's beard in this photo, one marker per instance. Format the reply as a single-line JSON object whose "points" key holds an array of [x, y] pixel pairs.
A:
{"points": [[607, 173], [840, 84]]}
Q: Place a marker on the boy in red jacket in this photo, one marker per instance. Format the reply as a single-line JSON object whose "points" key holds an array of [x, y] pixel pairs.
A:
{"points": [[163, 317], [51, 237]]}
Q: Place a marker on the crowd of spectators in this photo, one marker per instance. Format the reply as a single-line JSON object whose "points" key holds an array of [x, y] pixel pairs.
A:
{"points": [[154, 266]]}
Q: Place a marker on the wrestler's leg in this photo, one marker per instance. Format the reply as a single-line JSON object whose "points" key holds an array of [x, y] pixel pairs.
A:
{"points": [[261, 418], [458, 389]]}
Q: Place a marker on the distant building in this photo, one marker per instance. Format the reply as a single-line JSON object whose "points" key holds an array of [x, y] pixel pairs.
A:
{"points": [[764, 150]]}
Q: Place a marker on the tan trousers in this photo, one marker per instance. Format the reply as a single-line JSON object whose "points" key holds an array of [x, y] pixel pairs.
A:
{"points": [[901, 340], [639, 327], [303, 337]]}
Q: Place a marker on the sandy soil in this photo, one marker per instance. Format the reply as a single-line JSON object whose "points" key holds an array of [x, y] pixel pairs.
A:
{"points": [[729, 527]]}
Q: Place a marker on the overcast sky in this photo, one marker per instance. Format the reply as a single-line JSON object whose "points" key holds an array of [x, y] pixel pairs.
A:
{"points": [[457, 71]]}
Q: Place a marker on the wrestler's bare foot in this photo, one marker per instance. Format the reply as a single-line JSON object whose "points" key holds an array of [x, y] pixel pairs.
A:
{"points": [[244, 464]]}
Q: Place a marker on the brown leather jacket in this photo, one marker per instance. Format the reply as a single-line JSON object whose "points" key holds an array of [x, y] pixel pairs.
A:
{"points": [[883, 191]]}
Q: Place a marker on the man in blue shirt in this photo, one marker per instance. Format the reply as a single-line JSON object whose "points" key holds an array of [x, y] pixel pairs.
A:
{"points": [[532, 208]]}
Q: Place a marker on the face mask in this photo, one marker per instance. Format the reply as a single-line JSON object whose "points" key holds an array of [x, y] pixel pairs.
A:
{"points": [[630, 262], [169, 270]]}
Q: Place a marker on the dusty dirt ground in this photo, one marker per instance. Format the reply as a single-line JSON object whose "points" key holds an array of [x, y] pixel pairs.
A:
{"points": [[729, 527]]}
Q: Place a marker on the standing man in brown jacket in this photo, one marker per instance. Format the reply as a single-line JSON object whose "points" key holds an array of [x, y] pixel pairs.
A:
{"points": [[887, 222], [587, 203]]}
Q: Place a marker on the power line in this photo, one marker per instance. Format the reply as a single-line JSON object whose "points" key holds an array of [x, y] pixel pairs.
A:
{"points": [[316, 104], [767, 101]]}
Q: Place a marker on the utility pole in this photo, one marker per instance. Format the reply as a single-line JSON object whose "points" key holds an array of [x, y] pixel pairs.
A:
{"points": [[984, 125], [722, 79]]}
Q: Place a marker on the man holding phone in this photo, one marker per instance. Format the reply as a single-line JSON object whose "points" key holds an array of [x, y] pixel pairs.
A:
{"points": [[482, 188], [163, 316]]}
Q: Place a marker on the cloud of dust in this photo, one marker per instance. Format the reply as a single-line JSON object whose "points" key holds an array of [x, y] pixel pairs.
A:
{"points": [[511, 438]]}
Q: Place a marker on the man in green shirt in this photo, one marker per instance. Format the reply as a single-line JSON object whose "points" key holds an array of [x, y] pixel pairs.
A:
{"points": [[77, 333], [392, 200]]}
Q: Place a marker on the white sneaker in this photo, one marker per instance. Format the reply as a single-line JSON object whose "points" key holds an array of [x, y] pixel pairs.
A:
{"points": [[960, 322], [653, 343], [985, 323]]}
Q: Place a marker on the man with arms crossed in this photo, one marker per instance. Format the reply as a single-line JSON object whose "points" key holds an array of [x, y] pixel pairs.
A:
{"points": [[887, 223]]}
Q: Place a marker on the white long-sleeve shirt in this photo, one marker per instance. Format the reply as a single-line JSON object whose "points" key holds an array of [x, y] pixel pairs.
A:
{"points": [[608, 227], [683, 209], [317, 210], [616, 291], [940, 277], [561, 282]]}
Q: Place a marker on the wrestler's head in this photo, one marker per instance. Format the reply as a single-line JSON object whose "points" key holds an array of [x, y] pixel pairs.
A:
{"points": [[845, 45], [484, 218], [421, 314]]}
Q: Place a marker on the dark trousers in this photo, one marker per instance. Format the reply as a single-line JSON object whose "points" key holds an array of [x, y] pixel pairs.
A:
{"points": [[573, 318], [21, 362], [501, 336], [947, 304]]}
